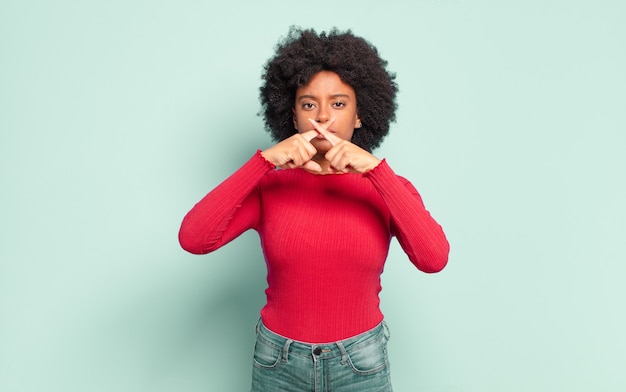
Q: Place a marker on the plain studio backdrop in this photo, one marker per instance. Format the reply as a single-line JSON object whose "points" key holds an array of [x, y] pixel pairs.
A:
{"points": [[117, 116]]}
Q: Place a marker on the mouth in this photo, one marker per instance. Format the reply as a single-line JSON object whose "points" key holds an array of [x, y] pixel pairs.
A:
{"points": [[330, 130]]}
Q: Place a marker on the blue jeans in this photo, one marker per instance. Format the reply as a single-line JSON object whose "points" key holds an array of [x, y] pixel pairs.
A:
{"points": [[356, 364]]}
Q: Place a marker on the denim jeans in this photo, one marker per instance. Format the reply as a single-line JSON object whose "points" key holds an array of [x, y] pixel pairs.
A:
{"points": [[356, 364]]}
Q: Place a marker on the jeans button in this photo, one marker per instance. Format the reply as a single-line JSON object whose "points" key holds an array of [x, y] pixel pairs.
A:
{"points": [[317, 351]]}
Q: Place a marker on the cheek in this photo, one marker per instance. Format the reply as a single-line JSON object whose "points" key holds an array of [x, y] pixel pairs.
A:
{"points": [[299, 122]]}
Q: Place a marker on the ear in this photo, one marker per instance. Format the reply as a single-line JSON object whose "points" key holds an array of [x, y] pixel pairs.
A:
{"points": [[357, 122], [295, 121]]}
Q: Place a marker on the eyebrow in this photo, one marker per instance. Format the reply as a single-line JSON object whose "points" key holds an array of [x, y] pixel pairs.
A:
{"points": [[307, 96]]}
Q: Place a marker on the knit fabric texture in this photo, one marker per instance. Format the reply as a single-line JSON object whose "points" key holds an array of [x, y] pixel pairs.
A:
{"points": [[325, 239]]}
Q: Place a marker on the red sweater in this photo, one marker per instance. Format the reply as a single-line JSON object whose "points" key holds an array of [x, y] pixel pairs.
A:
{"points": [[325, 239]]}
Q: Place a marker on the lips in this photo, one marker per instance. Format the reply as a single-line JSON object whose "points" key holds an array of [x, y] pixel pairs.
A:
{"points": [[330, 130]]}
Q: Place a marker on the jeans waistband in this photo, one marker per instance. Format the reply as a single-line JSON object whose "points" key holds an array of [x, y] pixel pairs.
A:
{"points": [[322, 350]]}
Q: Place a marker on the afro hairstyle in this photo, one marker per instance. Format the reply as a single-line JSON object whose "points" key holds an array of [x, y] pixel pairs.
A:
{"points": [[302, 54]]}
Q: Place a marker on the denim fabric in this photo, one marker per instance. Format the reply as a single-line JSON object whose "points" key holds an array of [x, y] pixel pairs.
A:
{"points": [[356, 364]]}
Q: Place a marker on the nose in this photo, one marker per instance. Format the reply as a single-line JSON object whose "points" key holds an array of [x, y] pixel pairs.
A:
{"points": [[322, 115]]}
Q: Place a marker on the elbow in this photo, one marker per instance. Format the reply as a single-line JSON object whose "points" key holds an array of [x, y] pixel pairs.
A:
{"points": [[191, 242], [189, 245], [435, 262], [434, 267]]}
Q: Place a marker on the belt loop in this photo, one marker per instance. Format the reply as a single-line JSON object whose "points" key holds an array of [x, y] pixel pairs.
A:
{"points": [[286, 349], [256, 327], [386, 330], [344, 354]]}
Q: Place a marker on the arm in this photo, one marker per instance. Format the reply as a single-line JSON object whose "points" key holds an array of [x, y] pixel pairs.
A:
{"points": [[225, 212], [420, 236], [233, 206]]}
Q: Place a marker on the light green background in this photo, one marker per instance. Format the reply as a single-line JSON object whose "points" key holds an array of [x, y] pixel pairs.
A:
{"points": [[117, 116]]}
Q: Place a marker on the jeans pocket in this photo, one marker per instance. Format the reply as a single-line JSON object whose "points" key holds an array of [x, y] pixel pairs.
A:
{"points": [[369, 359], [266, 355]]}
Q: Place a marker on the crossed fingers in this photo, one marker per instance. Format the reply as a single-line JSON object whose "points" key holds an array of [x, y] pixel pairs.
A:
{"points": [[338, 157], [324, 131], [344, 156]]}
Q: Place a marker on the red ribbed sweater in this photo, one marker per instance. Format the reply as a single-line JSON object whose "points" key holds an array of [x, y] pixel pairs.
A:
{"points": [[325, 239]]}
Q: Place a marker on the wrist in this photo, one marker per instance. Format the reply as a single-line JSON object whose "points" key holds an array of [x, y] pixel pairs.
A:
{"points": [[268, 156], [372, 164]]}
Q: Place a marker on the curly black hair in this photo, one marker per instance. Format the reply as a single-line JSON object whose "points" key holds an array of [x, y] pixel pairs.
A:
{"points": [[302, 54]]}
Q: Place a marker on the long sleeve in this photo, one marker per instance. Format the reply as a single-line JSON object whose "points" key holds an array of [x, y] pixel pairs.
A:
{"points": [[420, 236], [225, 212]]}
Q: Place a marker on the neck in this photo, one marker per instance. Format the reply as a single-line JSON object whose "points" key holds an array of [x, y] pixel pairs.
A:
{"points": [[324, 164]]}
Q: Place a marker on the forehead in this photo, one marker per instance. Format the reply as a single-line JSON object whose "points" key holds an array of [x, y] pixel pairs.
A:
{"points": [[325, 83]]}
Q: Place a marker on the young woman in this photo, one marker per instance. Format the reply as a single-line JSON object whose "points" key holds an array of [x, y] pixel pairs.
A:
{"points": [[325, 209]]}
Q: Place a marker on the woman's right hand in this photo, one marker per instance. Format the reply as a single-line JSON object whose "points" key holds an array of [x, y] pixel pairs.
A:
{"points": [[293, 152]]}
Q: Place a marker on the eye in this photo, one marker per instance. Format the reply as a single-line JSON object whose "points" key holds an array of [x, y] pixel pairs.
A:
{"points": [[339, 104], [308, 105]]}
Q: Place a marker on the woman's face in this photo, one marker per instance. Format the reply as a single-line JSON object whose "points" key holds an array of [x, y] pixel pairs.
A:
{"points": [[324, 98]]}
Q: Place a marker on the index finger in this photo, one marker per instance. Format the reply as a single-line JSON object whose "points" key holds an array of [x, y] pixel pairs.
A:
{"points": [[324, 132], [309, 135]]}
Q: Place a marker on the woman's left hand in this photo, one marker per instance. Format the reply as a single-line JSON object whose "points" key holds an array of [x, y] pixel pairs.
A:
{"points": [[345, 156]]}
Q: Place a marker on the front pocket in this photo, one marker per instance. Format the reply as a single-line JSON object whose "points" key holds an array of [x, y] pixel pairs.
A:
{"points": [[369, 359], [266, 355]]}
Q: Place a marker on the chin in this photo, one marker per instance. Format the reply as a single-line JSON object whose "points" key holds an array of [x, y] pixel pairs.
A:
{"points": [[322, 146]]}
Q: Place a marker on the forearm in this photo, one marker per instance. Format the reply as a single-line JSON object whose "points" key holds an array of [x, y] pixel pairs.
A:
{"points": [[420, 236], [218, 217]]}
